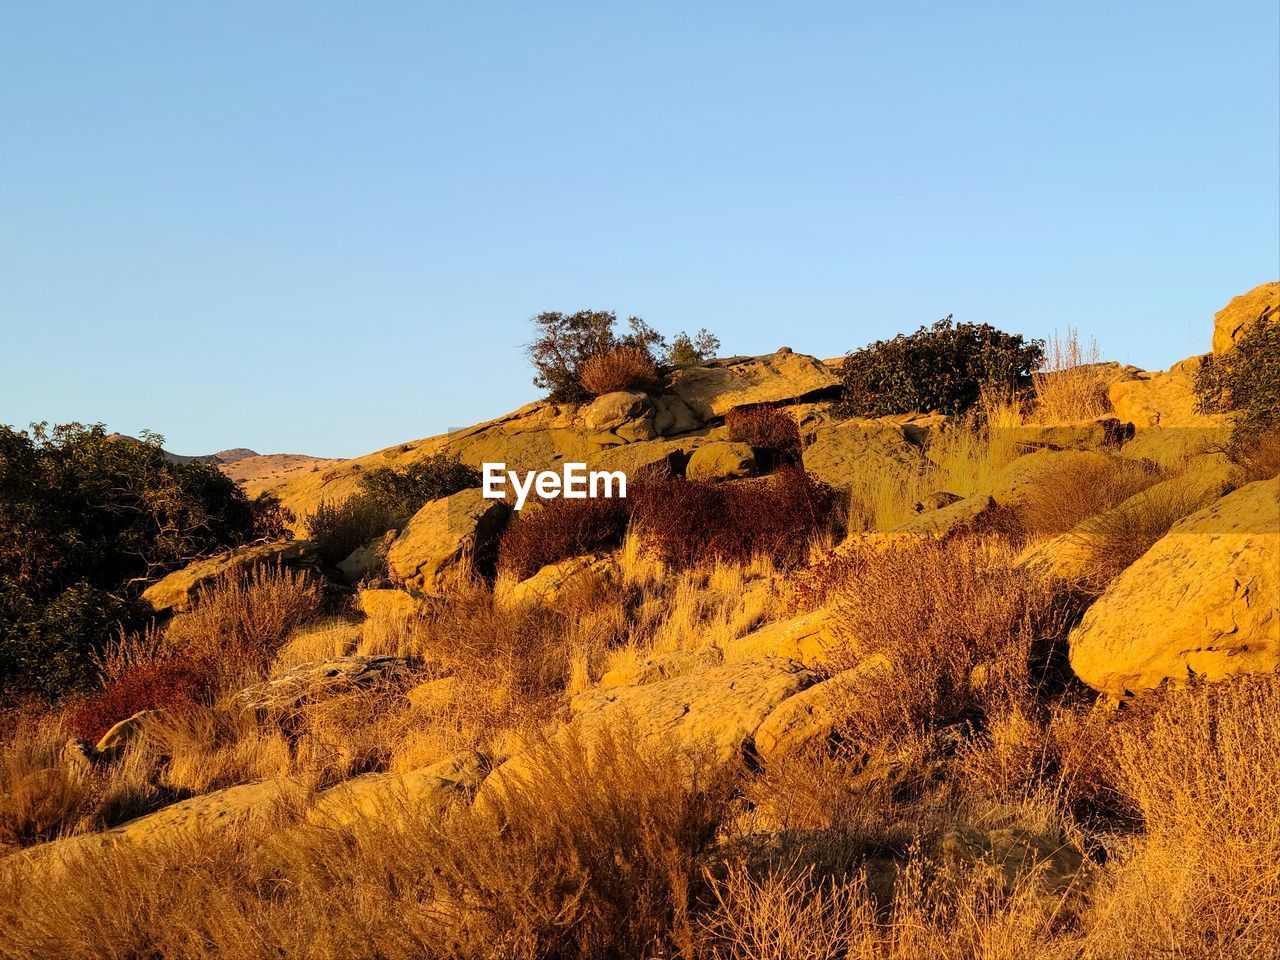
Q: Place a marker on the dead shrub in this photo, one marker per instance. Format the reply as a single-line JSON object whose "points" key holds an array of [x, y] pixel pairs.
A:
{"points": [[962, 625], [173, 681], [1202, 767], [622, 368], [558, 529], [340, 528], [1072, 385], [770, 432], [1076, 489], [690, 522]]}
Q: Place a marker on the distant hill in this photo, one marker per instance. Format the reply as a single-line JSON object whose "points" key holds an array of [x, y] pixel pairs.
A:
{"points": [[254, 471]]}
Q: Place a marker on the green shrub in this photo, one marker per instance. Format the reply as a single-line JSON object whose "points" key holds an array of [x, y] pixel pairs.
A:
{"points": [[339, 528], [1245, 380], [87, 519], [566, 342], [943, 367]]}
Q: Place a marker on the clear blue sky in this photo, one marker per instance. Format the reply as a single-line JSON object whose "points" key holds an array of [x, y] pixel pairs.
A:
{"points": [[317, 227]]}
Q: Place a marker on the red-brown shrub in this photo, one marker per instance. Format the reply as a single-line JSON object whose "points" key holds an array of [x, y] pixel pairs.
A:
{"points": [[622, 368], [175, 683], [769, 431], [687, 522], [558, 529]]}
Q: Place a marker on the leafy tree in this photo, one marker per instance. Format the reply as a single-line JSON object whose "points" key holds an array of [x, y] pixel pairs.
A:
{"points": [[686, 351], [86, 521], [942, 367]]}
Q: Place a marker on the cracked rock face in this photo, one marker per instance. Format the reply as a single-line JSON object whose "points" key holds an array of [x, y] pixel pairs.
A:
{"points": [[1203, 601], [312, 682]]}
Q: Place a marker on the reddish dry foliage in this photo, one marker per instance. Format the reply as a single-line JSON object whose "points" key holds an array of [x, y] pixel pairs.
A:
{"points": [[623, 368]]}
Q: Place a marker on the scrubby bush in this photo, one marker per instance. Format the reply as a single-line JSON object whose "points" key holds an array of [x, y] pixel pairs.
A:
{"points": [[86, 520], [566, 343], [688, 522], [1072, 385], [1246, 381], [770, 432], [622, 368], [175, 682], [942, 367], [559, 529], [340, 528]]}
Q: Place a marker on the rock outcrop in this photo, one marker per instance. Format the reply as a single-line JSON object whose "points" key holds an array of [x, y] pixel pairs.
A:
{"points": [[840, 452], [442, 535], [1262, 303], [383, 796], [722, 460], [723, 385], [321, 680], [178, 591], [1202, 602]]}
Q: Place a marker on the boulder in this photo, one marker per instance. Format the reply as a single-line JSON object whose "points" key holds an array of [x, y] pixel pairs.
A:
{"points": [[217, 810], [1165, 399], [549, 583], [721, 460], [663, 666], [839, 452], [1106, 432], [815, 714], [443, 535], [936, 501], [368, 561], [672, 416], [322, 680], [178, 591], [1172, 447], [715, 388], [807, 639], [611, 410], [949, 518], [380, 796], [389, 604], [1262, 303], [435, 694], [1201, 602]]}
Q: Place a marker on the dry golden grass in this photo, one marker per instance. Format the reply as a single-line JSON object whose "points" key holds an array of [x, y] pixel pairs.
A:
{"points": [[1077, 489], [1073, 383]]}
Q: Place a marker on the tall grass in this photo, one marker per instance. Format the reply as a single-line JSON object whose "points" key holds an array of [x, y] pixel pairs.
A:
{"points": [[1072, 385]]}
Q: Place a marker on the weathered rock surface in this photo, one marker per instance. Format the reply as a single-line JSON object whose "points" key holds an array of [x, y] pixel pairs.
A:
{"points": [[390, 604], [1162, 399], [125, 732], [550, 583], [381, 796], [807, 639], [1017, 482], [435, 694], [663, 666], [815, 714], [723, 385], [178, 591], [444, 534], [1262, 303], [1202, 601], [722, 460], [621, 408], [1079, 435], [322, 680], [840, 452]]}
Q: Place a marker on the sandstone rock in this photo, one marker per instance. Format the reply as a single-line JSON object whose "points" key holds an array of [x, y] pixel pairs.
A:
{"points": [[840, 452], [218, 810], [717, 711], [444, 534], [713, 389], [612, 410], [937, 500], [672, 416], [384, 795], [369, 560], [1260, 303], [1079, 435], [723, 460], [126, 731], [1165, 399], [1171, 447], [78, 756], [322, 680], [663, 666], [1202, 601], [435, 694], [815, 714], [549, 583], [389, 604], [949, 518], [807, 639], [1016, 483], [178, 591], [634, 459]]}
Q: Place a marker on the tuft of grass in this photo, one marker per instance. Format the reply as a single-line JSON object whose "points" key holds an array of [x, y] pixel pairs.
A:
{"points": [[1072, 385], [1079, 488]]}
